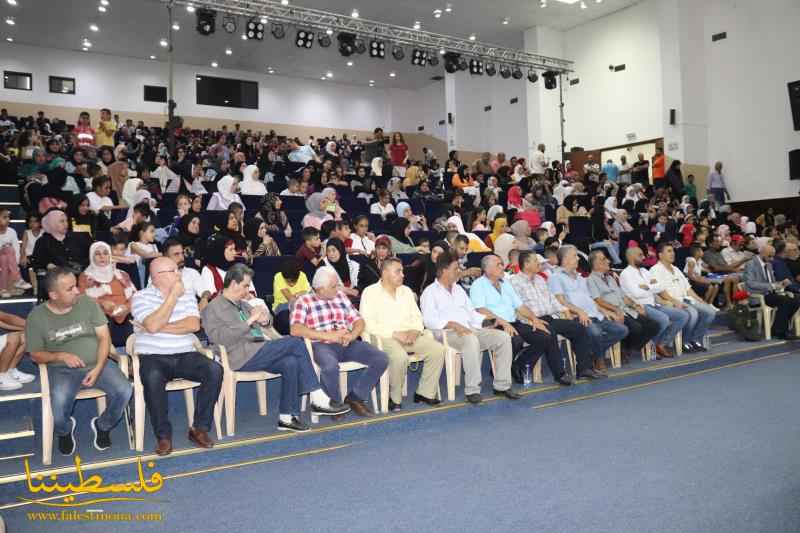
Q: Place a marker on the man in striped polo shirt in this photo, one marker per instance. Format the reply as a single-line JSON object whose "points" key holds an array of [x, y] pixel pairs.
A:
{"points": [[165, 320]]}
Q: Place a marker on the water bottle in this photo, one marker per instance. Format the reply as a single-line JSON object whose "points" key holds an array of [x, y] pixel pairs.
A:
{"points": [[527, 376], [707, 342]]}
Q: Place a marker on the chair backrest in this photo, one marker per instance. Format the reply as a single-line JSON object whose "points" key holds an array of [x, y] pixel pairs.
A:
{"points": [[265, 269], [252, 202], [580, 228]]}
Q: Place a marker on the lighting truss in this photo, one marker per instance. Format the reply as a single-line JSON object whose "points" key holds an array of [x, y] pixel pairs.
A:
{"points": [[322, 20]]}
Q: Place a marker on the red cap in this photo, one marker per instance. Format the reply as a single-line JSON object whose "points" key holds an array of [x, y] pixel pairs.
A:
{"points": [[737, 238]]}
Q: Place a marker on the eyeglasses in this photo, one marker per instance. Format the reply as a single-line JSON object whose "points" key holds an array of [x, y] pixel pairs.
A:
{"points": [[175, 271]]}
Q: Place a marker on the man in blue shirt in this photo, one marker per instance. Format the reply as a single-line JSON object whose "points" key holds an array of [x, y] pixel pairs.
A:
{"points": [[301, 153], [784, 250], [572, 290], [497, 300], [611, 171]]}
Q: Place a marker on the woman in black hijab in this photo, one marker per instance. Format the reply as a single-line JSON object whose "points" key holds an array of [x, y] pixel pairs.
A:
{"points": [[429, 275], [399, 236], [233, 232]]}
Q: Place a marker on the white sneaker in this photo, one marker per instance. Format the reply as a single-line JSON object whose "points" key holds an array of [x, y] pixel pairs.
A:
{"points": [[8, 383], [21, 377], [22, 284]]}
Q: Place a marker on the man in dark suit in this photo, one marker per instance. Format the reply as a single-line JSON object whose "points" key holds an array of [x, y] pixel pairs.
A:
{"points": [[759, 278]]}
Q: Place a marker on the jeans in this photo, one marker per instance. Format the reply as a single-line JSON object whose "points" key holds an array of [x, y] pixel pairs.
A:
{"points": [[670, 319], [701, 315], [604, 335], [640, 331], [576, 334], [329, 355], [288, 357], [281, 322], [156, 370], [65, 383]]}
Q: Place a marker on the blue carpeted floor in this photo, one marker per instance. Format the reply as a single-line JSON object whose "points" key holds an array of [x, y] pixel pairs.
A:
{"points": [[703, 448]]}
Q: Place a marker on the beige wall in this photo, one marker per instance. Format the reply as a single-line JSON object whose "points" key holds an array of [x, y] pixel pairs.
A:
{"points": [[415, 141]]}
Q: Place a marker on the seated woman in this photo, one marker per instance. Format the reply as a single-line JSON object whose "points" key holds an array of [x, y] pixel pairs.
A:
{"points": [[111, 288], [317, 211], [383, 206], [227, 193], [233, 232], [189, 236], [454, 223], [100, 201], [369, 273], [569, 210], [271, 212], [287, 285], [251, 185], [416, 222], [400, 237], [346, 268], [396, 190], [81, 217], [362, 241], [58, 247], [220, 255], [259, 241], [498, 228], [429, 274], [142, 246], [330, 203]]}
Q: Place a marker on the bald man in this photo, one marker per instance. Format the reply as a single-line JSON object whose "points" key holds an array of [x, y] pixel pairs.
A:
{"points": [[759, 278], [165, 320]]}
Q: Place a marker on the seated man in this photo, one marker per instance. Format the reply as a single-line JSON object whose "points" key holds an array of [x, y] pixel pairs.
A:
{"points": [[327, 316], [784, 252], [759, 278], [445, 305], [230, 321], [533, 291], [678, 291], [607, 294], [190, 277], [70, 334], [641, 287], [391, 314], [735, 253], [497, 300], [165, 320], [572, 291]]}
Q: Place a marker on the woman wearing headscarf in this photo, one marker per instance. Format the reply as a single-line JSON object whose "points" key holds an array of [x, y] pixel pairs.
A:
{"points": [[118, 170], [81, 218], [417, 223], [226, 194], [396, 190], [232, 231], [272, 214], [494, 212], [399, 236], [475, 242], [499, 227], [220, 255], [251, 185], [129, 190], [521, 231], [529, 213], [347, 269], [515, 197], [259, 240], [111, 288], [369, 272], [429, 274], [330, 203], [331, 152], [316, 205], [57, 247]]}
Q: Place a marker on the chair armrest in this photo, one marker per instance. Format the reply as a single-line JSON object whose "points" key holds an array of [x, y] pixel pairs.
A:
{"points": [[44, 380]]}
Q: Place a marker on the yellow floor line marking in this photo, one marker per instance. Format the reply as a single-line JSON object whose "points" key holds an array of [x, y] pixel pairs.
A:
{"points": [[657, 382]]}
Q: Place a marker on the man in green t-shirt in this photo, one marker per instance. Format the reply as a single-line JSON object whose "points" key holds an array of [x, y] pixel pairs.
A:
{"points": [[70, 334]]}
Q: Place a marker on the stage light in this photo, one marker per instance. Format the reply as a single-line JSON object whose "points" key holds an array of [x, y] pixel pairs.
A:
{"points": [[476, 67], [229, 23], [324, 40], [491, 70], [346, 44], [278, 31], [419, 57], [398, 53], [360, 45], [304, 39], [433, 59], [517, 73], [505, 72], [462, 63], [377, 49], [532, 76], [549, 78], [451, 62], [206, 21], [255, 29]]}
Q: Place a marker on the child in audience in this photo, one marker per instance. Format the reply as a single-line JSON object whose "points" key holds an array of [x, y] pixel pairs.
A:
{"points": [[311, 247], [696, 270], [292, 188], [513, 262], [143, 247], [10, 280], [120, 253], [29, 238], [287, 285]]}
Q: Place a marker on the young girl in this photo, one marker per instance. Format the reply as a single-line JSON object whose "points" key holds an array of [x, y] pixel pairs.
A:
{"points": [[10, 280], [346, 268], [695, 270], [287, 285], [479, 222], [142, 246], [29, 238], [120, 252]]}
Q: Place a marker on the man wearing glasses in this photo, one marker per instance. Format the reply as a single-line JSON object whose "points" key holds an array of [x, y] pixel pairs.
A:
{"points": [[165, 320]]}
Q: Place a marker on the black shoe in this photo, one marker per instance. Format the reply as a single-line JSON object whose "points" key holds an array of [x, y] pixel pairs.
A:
{"points": [[474, 399], [787, 336], [296, 425], [66, 443], [394, 406], [565, 379], [516, 374], [699, 347], [333, 409], [590, 373], [430, 401], [689, 348], [102, 439], [508, 393]]}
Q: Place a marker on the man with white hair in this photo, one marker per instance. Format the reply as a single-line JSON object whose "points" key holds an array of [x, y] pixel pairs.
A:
{"points": [[326, 316], [759, 278]]}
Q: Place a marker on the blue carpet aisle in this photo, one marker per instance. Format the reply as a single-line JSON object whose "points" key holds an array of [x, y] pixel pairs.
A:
{"points": [[705, 447]]}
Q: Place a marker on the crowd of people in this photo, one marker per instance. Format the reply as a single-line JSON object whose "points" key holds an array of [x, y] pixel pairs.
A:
{"points": [[381, 258]]}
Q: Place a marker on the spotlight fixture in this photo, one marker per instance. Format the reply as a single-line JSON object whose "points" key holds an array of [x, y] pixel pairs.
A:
{"points": [[451, 62], [324, 40], [549, 78], [255, 29], [284, 2], [10, 39], [360, 45], [347, 44], [491, 70], [214, 64], [583, 5], [152, 57], [355, 14], [433, 58], [506, 21], [86, 43], [329, 31], [176, 26], [206, 21], [419, 58], [476, 67], [441, 51], [516, 73], [472, 36], [448, 8], [278, 31], [229, 23], [505, 72], [304, 39], [437, 13], [349, 63], [244, 37], [94, 27], [11, 2], [392, 74], [463, 64], [228, 52], [532, 76], [10, 21], [164, 43], [102, 9], [329, 74], [398, 53], [417, 25], [377, 49], [190, 8]]}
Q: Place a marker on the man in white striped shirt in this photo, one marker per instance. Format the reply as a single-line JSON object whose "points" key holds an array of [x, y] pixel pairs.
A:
{"points": [[165, 320]]}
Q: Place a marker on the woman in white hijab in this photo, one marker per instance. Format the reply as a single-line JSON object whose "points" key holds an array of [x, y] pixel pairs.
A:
{"points": [[129, 190], [561, 191], [251, 185], [494, 212], [377, 166], [475, 242], [226, 194], [610, 206]]}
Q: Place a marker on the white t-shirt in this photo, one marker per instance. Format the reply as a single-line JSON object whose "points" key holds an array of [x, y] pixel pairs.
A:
{"points": [[96, 202], [538, 163], [192, 283], [378, 209], [31, 243], [365, 244], [9, 238], [673, 282]]}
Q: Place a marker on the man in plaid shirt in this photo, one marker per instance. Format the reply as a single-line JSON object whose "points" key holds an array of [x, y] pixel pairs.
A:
{"points": [[326, 316]]}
